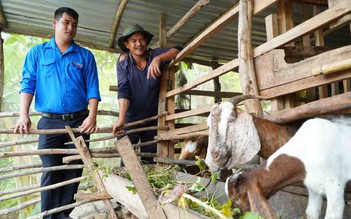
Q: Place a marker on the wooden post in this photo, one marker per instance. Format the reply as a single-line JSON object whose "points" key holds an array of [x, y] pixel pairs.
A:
{"points": [[116, 22], [135, 170], [2, 70], [216, 83], [162, 148], [88, 162], [245, 56]]}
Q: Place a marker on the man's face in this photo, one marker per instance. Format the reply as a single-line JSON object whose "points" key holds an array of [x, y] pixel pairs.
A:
{"points": [[136, 44], [65, 27]]}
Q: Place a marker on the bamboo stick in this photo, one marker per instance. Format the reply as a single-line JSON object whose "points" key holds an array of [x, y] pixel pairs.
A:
{"points": [[8, 169], [41, 170], [105, 138], [54, 186], [20, 206], [59, 209], [18, 142], [116, 22], [16, 114], [135, 170], [88, 162], [101, 130], [22, 189], [98, 196], [332, 68], [174, 161], [110, 155], [183, 136]]}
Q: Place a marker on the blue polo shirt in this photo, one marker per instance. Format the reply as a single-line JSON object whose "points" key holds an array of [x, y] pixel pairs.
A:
{"points": [[61, 83], [133, 85]]}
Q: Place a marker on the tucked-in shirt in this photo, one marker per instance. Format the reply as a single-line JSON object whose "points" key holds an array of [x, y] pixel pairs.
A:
{"points": [[61, 83], [133, 85]]}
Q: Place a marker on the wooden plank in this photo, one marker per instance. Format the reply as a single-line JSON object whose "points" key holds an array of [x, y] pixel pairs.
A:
{"points": [[139, 178], [308, 110], [207, 77], [217, 94], [194, 112], [273, 71], [343, 20], [184, 130]]}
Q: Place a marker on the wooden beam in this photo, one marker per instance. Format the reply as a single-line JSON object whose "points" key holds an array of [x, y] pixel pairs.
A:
{"points": [[216, 26], [116, 22], [308, 110], [191, 13], [195, 112], [2, 70], [311, 2], [139, 178]]}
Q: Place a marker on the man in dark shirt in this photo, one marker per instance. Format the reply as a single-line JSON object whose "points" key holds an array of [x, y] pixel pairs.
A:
{"points": [[63, 77], [138, 71]]}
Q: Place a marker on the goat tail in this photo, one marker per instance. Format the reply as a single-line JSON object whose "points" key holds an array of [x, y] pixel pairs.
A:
{"points": [[237, 99]]}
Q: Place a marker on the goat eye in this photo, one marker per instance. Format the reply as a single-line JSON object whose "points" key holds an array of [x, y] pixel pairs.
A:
{"points": [[236, 199]]}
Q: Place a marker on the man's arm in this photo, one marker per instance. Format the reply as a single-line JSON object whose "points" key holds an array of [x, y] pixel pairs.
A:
{"points": [[123, 108], [154, 68], [24, 123]]}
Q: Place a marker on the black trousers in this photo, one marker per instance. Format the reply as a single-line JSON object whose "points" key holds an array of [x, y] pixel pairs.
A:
{"points": [[63, 195]]}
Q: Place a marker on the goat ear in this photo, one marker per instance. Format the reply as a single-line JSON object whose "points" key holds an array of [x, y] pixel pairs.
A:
{"points": [[236, 179], [258, 202]]}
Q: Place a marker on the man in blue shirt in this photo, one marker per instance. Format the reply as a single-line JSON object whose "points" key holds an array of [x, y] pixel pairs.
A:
{"points": [[63, 78], [138, 71]]}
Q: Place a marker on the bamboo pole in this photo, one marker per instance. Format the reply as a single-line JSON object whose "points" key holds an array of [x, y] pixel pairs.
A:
{"points": [[20, 206], [8, 169], [116, 22], [125, 133], [2, 67], [109, 155], [167, 160], [54, 186], [183, 136], [41, 170], [18, 142], [135, 170], [59, 209], [22, 189], [88, 162], [185, 19], [96, 196], [101, 130], [332, 68]]}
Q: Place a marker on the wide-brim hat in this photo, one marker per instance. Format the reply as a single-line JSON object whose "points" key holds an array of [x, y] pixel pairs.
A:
{"points": [[130, 30]]}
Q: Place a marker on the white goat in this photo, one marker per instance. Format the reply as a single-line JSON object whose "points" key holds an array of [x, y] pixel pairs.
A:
{"points": [[317, 155]]}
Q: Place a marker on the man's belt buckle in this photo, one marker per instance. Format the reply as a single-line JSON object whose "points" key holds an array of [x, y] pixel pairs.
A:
{"points": [[68, 116]]}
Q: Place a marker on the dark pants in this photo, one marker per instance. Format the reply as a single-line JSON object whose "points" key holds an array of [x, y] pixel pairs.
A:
{"points": [[144, 137], [63, 195]]}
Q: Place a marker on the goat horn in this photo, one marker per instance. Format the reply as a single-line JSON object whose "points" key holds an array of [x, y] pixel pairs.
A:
{"points": [[237, 99]]}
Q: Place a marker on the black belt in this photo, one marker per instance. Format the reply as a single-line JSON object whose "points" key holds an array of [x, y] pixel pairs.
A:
{"points": [[67, 116]]}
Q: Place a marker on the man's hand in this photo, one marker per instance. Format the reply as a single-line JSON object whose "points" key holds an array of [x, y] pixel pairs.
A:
{"points": [[154, 68], [23, 125], [89, 125], [116, 129]]}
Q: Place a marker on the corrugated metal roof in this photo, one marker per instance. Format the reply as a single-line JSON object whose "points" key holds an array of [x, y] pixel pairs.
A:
{"points": [[96, 20]]}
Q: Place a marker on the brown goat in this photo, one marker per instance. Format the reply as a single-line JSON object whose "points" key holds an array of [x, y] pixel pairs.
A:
{"points": [[250, 190]]}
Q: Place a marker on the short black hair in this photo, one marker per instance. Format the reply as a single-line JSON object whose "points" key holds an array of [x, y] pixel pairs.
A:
{"points": [[71, 12]]}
